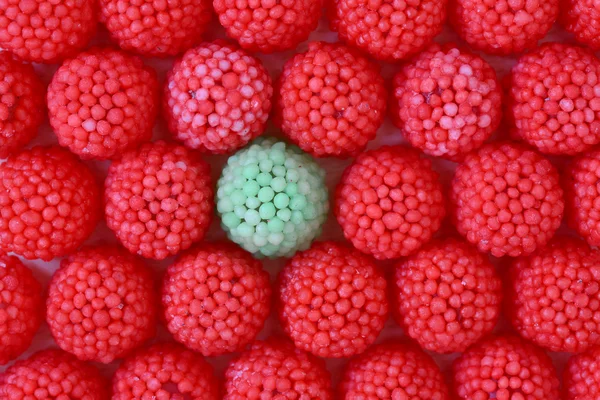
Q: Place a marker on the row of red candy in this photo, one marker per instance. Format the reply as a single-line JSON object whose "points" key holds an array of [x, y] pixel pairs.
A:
{"points": [[330, 100], [48, 32], [331, 301]]}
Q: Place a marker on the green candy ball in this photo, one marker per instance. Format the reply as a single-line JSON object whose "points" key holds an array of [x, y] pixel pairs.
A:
{"points": [[272, 198]]}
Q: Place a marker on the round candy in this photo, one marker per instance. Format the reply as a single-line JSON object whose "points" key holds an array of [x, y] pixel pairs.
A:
{"points": [[216, 299], [101, 304], [553, 99], [389, 202], [21, 308], [506, 199], [389, 30], [156, 28], [276, 370], [49, 201], [272, 199], [268, 26], [393, 371], [46, 31], [52, 374], [21, 104], [331, 100], [165, 371], [555, 296], [581, 378], [217, 98], [447, 101], [503, 26], [582, 18], [447, 296], [102, 103], [505, 368], [582, 193], [158, 199], [332, 300]]}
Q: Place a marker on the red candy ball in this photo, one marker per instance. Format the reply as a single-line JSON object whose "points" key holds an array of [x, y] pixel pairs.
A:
{"points": [[46, 31], [101, 304], [156, 28], [331, 100], [507, 200], [165, 371], [52, 374], [102, 103], [555, 296], [505, 368], [21, 104], [582, 18], [553, 99], [21, 308], [582, 376], [388, 30], [447, 101], [447, 296], [389, 202], [217, 98], [582, 195], [503, 26], [158, 199], [393, 371], [268, 26], [276, 370], [49, 203], [216, 299], [332, 300]]}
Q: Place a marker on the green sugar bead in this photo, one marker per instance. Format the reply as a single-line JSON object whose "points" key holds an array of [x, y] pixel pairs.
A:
{"points": [[267, 211], [252, 217], [277, 156], [253, 203], [266, 194], [245, 230], [264, 179], [284, 214], [240, 211], [225, 205], [266, 165], [251, 172], [238, 198], [275, 225], [231, 219], [279, 170], [262, 229], [272, 198], [278, 184], [281, 200], [251, 188], [291, 189], [298, 202]]}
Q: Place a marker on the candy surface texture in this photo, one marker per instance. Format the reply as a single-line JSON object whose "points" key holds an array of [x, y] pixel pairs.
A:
{"points": [[332, 300], [101, 304], [506, 199], [216, 298], [158, 199], [217, 98], [49, 201], [389, 202]]}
